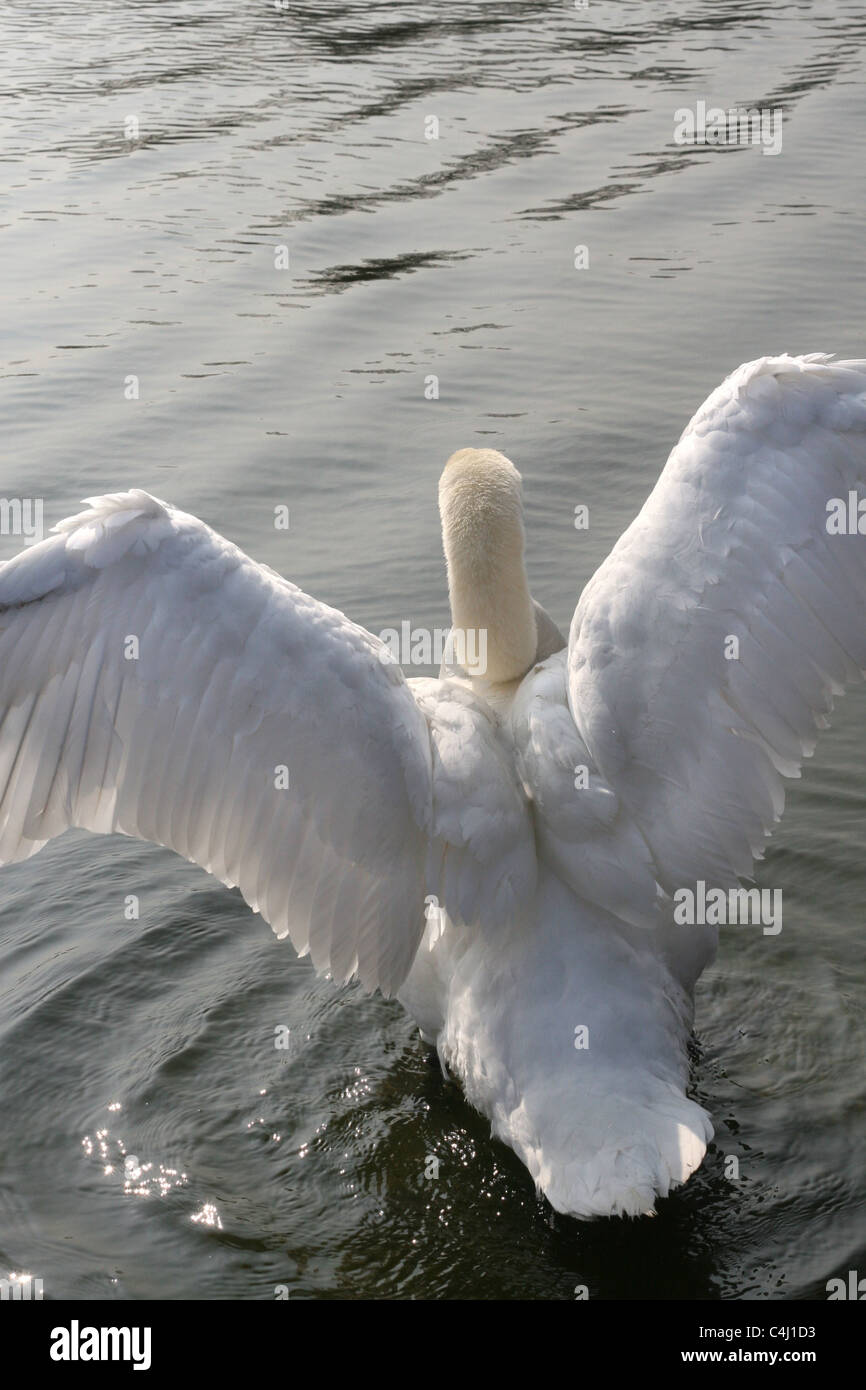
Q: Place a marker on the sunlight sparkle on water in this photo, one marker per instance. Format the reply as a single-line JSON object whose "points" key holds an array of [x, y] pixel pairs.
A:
{"points": [[140, 1179], [208, 1216]]}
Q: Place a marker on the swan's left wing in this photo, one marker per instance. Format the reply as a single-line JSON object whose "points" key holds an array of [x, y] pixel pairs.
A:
{"points": [[705, 652], [156, 681]]}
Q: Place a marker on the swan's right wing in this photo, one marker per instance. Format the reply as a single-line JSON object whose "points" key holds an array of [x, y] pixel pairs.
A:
{"points": [[156, 681], [706, 650]]}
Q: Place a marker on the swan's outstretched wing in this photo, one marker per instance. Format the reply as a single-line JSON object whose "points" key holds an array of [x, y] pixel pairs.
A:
{"points": [[705, 651], [156, 681]]}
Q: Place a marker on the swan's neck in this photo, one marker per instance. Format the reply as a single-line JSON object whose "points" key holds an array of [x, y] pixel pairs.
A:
{"points": [[492, 614]]}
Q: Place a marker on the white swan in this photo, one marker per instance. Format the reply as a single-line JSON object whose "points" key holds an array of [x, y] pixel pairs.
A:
{"points": [[156, 681]]}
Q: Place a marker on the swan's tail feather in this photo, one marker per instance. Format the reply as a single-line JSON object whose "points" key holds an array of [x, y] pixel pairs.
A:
{"points": [[572, 1037], [649, 1150]]}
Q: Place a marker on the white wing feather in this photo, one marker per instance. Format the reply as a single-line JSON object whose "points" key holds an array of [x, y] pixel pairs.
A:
{"points": [[153, 681], [692, 735]]}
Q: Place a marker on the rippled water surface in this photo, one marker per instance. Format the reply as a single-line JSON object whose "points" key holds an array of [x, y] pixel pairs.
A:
{"points": [[156, 156]]}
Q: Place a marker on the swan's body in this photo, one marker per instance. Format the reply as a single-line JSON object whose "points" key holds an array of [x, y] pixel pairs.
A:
{"points": [[546, 809]]}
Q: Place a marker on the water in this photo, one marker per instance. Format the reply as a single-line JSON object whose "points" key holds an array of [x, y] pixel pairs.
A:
{"points": [[148, 251]]}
